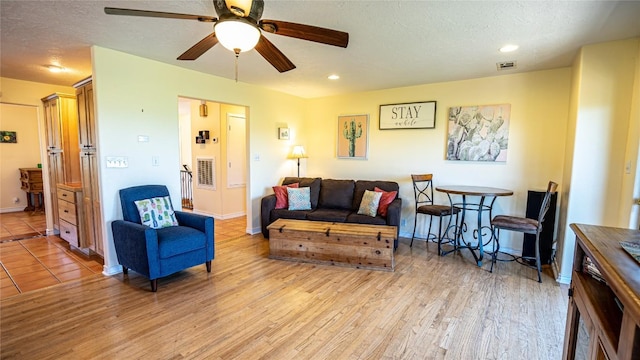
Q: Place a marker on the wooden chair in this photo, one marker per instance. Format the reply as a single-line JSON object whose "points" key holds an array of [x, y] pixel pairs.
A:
{"points": [[423, 193], [524, 225]]}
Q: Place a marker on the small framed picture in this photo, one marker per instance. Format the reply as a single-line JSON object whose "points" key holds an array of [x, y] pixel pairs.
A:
{"points": [[283, 133], [8, 137]]}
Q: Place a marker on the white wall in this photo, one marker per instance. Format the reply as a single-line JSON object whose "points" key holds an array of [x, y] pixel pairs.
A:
{"points": [[539, 109], [136, 96], [603, 140]]}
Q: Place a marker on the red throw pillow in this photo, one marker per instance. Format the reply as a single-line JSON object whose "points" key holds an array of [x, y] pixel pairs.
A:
{"points": [[282, 200], [385, 200]]}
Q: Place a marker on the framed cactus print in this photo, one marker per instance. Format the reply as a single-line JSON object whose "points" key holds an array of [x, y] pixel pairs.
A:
{"points": [[353, 136]]}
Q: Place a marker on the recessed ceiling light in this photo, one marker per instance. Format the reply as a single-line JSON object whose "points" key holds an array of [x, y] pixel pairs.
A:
{"points": [[509, 48], [55, 68], [333, 77]]}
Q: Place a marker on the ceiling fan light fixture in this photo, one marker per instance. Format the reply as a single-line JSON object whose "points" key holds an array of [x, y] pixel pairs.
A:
{"points": [[237, 34]]}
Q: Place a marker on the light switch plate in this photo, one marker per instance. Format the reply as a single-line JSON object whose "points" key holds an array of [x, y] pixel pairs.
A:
{"points": [[117, 162]]}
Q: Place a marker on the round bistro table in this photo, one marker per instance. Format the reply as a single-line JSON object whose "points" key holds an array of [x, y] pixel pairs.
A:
{"points": [[482, 199]]}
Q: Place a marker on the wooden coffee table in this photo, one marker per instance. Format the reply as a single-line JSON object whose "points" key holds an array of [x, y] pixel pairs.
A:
{"points": [[343, 244]]}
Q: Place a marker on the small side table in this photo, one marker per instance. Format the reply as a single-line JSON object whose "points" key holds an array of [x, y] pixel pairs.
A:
{"points": [[31, 179]]}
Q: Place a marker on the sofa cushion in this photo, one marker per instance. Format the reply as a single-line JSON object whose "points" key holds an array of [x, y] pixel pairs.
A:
{"points": [[336, 194], [362, 185], [332, 215], [364, 219], [288, 214], [178, 240], [299, 199], [282, 199], [312, 183]]}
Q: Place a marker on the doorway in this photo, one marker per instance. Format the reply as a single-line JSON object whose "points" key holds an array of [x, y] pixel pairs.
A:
{"points": [[213, 147]]}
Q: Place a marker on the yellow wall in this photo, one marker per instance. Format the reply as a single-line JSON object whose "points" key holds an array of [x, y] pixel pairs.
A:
{"points": [[539, 109], [29, 93], [25, 153]]}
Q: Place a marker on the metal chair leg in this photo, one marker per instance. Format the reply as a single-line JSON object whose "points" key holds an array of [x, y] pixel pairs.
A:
{"points": [[415, 222], [494, 256], [538, 265]]}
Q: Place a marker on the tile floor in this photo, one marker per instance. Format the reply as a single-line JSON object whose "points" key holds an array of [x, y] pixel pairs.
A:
{"points": [[29, 260]]}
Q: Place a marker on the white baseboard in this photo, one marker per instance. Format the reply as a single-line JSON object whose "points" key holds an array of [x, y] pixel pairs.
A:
{"points": [[111, 270], [12, 209]]}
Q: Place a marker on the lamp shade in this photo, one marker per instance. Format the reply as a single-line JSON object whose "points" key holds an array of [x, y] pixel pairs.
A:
{"points": [[298, 152], [237, 33]]}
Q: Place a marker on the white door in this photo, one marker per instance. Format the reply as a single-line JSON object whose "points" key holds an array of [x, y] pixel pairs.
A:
{"points": [[236, 151]]}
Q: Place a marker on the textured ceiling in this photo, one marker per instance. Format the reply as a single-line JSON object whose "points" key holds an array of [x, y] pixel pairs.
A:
{"points": [[392, 43]]}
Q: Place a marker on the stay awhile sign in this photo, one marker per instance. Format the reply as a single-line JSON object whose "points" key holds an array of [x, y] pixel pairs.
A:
{"points": [[420, 115]]}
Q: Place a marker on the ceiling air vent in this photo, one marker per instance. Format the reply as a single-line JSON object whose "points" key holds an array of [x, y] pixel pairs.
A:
{"points": [[506, 65]]}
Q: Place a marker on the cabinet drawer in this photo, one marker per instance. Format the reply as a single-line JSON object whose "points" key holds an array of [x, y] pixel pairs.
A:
{"points": [[67, 211], [66, 195], [69, 233]]}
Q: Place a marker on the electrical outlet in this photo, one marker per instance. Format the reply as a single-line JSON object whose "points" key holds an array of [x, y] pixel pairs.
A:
{"points": [[155, 160]]}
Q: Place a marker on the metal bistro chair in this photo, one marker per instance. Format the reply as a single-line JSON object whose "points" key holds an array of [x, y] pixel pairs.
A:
{"points": [[423, 193], [524, 225]]}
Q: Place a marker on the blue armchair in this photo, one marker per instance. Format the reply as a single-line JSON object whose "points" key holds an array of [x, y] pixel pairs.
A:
{"points": [[156, 253]]}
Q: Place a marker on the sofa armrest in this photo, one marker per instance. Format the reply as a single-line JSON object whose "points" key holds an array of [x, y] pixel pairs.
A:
{"points": [[136, 247], [203, 223], [268, 203], [393, 214]]}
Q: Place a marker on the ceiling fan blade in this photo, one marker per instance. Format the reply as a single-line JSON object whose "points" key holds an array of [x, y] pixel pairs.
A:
{"points": [[158, 14], [306, 32], [274, 56], [200, 48]]}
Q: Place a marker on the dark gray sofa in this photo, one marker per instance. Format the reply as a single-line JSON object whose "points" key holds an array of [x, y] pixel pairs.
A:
{"points": [[335, 201]]}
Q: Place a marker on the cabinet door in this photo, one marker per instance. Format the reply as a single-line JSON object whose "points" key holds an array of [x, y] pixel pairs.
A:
{"points": [[53, 127], [91, 201], [56, 175], [86, 120]]}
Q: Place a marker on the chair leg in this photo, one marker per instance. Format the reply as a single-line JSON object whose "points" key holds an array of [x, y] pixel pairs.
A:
{"points": [[439, 234], [125, 270], [154, 285], [415, 222], [208, 266], [430, 224], [538, 265], [494, 256]]}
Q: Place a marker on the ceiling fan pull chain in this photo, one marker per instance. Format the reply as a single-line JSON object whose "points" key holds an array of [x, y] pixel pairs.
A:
{"points": [[237, 51]]}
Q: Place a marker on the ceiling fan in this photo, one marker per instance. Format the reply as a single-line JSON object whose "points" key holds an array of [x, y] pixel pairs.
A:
{"points": [[238, 26]]}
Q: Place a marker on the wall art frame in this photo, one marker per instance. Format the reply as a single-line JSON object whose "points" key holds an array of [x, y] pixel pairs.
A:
{"points": [[9, 137], [283, 133], [353, 137], [415, 115], [478, 133]]}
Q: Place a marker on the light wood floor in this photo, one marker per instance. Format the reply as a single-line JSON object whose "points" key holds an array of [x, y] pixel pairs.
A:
{"points": [[252, 307]]}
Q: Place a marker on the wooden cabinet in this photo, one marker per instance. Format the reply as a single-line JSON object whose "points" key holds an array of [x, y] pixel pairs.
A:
{"points": [[31, 183], [89, 165], [61, 127], [72, 216], [603, 320]]}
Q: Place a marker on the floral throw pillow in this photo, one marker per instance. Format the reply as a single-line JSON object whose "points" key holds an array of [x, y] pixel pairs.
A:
{"points": [[156, 212], [282, 198], [369, 203], [299, 199]]}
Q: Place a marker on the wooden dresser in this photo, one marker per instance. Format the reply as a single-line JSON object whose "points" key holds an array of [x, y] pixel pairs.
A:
{"points": [[70, 210], [603, 320], [31, 180]]}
